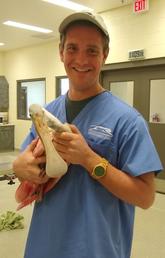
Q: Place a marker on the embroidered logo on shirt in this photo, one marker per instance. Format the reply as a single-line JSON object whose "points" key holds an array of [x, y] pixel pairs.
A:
{"points": [[99, 131]]}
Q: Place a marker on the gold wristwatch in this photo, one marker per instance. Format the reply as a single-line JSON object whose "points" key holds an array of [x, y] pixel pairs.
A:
{"points": [[100, 169]]}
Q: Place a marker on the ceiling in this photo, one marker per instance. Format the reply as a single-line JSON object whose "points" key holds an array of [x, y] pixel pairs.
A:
{"points": [[42, 14]]}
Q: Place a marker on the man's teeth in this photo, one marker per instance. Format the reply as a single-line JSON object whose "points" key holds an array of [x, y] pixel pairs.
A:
{"points": [[81, 70]]}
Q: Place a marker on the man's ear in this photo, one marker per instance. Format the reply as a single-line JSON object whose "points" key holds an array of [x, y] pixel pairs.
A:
{"points": [[61, 52], [106, 52]]}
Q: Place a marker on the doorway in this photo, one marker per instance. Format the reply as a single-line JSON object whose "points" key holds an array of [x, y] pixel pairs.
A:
{"points": [[142, 85]]}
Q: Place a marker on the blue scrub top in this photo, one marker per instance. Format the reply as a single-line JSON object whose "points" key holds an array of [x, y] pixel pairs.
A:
{"points": [[79, 218]]}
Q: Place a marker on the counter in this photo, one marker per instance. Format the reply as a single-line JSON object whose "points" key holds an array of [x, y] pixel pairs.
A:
{"points": [[6, 137]]}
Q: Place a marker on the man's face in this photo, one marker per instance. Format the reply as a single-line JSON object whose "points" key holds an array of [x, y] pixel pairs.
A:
{"points": [[83, 56]]}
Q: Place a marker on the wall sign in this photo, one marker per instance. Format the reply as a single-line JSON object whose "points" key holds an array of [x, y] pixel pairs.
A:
{"points": [[140, 6], [136, 54]]}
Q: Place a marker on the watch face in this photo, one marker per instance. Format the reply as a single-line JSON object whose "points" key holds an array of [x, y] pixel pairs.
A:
{"points": [[99, 171]]}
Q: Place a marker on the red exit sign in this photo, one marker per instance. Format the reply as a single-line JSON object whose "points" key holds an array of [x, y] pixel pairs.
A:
{"points": [[140, 6]]}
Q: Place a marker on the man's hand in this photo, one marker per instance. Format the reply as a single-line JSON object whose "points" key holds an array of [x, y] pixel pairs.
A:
{"points": [[39, 149], [27, 166], [72, 147]]}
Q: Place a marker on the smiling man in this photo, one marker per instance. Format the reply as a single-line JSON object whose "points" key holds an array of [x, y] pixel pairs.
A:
{"points": [[112, 160], [83, 58]]}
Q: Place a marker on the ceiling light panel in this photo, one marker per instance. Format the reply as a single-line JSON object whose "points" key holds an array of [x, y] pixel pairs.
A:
{"points": [[70, 5], [26, 27]]}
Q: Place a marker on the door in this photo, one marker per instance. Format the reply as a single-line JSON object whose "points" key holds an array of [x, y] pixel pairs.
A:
{"points": [[144, 88]]}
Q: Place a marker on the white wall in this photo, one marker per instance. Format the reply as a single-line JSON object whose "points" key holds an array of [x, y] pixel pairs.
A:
{"points": [[127, 31], [27, 63], [1, 64]]}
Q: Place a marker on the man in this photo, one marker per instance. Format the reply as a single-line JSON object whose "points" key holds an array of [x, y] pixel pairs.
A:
{"points": [[90, 212]]}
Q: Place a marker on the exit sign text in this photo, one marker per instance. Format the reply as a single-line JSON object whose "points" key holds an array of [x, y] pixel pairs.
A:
{"points": [[140, 6]]}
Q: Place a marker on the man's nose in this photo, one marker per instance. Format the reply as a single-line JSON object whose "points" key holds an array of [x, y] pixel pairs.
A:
{"points": [[82, 58]]}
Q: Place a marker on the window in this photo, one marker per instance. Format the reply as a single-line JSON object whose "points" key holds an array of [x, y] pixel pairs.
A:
{"points": [[123, 90], [62, 85], [29, 92], [157, 104]]}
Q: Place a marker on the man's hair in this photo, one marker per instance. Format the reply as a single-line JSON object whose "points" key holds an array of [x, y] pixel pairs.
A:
{"points": [[86, 23]]}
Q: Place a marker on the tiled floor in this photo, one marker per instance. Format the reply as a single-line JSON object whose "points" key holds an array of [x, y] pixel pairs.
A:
{"points": [[6, 159], [12, 242], [149, 232]]}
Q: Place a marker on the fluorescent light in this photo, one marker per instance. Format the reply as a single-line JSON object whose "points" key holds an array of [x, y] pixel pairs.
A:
{"points": [[70, 5], [26, 26], [2, 44]]}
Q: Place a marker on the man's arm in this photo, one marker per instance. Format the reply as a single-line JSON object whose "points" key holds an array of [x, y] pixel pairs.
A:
{"points": [[138, 191]]}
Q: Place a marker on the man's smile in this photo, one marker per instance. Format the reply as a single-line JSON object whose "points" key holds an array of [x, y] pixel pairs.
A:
{"points": [[81, 70]]}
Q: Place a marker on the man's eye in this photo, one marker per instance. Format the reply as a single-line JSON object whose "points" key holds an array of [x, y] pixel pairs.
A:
{"points": [[71, 48], [92, 51]]}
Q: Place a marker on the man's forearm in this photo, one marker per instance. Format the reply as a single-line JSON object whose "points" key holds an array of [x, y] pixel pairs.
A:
{"points": [[138, 191]]}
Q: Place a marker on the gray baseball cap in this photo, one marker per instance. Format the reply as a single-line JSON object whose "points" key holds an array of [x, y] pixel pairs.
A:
{"points": [[84, 16]]}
